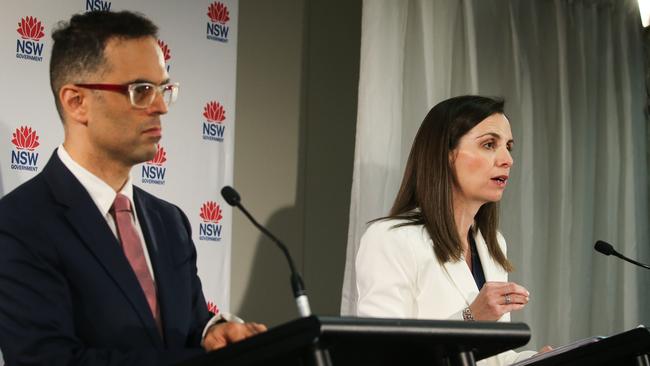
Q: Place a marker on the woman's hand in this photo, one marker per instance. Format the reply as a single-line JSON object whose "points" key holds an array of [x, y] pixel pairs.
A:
{"points": [[546, 349], [498, 298]]}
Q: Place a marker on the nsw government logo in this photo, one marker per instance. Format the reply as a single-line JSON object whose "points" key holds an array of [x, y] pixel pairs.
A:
{"points": [[167, 53], [28, 45], [98, 5], [213, 126], [212, 308], [23, 157], [210, 228], [153, 171], [218, 24]]}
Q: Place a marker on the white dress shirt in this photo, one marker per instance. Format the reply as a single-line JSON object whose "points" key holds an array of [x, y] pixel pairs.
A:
{"points": [[103, 195]]}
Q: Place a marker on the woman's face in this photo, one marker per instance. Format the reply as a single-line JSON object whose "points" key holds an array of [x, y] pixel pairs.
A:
{"points": [[481, 161]]}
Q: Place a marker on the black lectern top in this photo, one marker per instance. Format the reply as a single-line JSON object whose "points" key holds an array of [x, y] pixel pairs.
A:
{"points": [[370, 341]]}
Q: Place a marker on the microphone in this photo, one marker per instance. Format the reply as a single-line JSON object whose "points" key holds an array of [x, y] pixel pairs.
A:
{"points": [[230, 195], [607, 249], [302, 302]]}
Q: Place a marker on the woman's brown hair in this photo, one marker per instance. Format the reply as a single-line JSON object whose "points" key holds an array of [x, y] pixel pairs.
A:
{"points": [[425, 195]]}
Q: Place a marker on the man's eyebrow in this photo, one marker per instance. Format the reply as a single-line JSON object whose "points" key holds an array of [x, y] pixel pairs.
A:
{"points": [[495, 135], [147, 81]]}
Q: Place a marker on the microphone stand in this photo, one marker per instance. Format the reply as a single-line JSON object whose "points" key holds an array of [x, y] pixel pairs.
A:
{"points": [[317, 355], [299, 293]]}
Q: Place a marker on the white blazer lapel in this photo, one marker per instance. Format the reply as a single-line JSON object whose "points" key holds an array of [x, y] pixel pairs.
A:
{"points": [[491, 269], [460, 275]]}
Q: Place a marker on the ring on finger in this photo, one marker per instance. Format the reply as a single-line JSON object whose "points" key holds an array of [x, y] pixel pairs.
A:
{"points": [[507, 298]]}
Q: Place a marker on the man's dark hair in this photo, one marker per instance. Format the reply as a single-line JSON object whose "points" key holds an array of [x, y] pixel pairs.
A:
{"points": [[79, 44]]}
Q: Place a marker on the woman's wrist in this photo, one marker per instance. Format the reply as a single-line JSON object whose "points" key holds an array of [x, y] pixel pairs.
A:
{"points": [[468, 315]]}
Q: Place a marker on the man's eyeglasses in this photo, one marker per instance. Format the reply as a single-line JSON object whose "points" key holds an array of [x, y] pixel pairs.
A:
{"points": [[141, 95]]}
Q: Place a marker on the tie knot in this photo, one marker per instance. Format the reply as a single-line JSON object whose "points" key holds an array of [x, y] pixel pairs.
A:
{"points": [[121, 203]]}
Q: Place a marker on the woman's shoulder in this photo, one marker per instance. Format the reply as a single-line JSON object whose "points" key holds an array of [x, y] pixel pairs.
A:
{"points": [[394, 240], [396, 232], [394, 226]]}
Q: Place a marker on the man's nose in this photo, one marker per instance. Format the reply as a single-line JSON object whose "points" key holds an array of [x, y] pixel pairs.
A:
{"points": [[158, 105]]}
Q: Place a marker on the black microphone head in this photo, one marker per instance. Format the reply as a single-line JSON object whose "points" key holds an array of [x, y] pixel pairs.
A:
{"points": [[604, 247], [230, 195]]}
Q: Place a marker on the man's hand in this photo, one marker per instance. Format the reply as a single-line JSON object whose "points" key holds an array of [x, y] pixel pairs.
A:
{"points": [[223, 334]]}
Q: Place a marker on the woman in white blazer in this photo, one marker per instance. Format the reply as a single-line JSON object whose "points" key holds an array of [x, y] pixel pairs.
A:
{"points": [[438, 254]]}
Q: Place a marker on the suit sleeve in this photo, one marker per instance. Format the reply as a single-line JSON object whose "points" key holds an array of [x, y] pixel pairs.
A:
{"points": [[37, 316], [386, 270], [200, 314]]}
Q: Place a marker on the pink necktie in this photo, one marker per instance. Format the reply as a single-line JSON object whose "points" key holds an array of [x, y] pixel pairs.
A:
{"points": [[134, 252]]}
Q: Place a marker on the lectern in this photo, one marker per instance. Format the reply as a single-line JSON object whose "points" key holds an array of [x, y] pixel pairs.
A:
{"points": [[335, 341], [630, 348]]}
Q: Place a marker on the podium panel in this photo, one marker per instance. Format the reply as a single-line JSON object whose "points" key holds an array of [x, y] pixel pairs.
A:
{"points": [[371, 341]]}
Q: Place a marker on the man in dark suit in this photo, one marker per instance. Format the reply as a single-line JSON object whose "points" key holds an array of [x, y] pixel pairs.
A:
{"points": [[95, 271]]}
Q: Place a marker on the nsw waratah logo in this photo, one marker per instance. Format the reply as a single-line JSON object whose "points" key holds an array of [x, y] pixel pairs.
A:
{"points": [[98, 5], [153, 171], [210, 228], [167, 52], [24, 156], [218, 24], [28, 45], [214, 309], [214, 126]]}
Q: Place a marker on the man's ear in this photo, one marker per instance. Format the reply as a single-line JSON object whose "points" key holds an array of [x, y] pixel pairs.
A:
{"points": [[74, 103]]}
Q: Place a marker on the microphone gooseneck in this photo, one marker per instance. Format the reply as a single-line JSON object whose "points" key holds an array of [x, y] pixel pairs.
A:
{"points": [[302, 302], [607, 249]]}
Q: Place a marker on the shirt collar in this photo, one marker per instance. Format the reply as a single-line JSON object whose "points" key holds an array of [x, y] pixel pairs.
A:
{"points": [[101, 193]]}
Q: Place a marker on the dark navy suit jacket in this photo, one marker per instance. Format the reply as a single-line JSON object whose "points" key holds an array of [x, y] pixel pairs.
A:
{"points": [[68, 295]]}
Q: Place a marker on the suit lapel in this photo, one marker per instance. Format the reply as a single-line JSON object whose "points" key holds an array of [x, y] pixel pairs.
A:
{"points": [[159, 253], [84, 217], [460, 275], [491, 269]]}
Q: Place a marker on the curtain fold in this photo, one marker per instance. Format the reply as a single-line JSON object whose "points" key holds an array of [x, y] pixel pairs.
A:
{"points": [[571, 72]]}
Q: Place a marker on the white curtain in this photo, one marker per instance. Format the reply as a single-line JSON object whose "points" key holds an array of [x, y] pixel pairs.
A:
{"points": [[571, 72]]}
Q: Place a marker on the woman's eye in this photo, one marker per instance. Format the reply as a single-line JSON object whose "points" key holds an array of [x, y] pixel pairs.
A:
{"points": [[489, 145]]}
